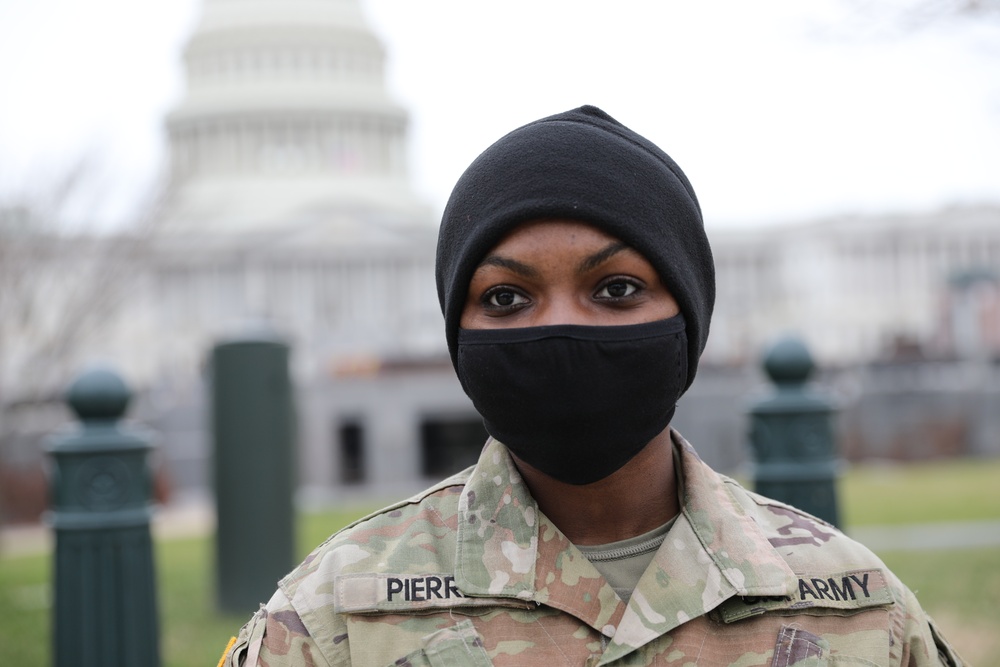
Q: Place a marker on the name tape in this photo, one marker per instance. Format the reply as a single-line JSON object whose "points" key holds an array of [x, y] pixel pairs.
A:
{"points": [[421, 589], [847, 590], [375, 593]]}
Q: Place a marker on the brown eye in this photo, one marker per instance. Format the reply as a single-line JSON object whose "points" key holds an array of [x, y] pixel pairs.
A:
{"points": [[503, 298], [618, 289]]}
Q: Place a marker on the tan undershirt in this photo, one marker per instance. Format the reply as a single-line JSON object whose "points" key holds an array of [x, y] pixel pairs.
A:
{"points": [[622, 563]]}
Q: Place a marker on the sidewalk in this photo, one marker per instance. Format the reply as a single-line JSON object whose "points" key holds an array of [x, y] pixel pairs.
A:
{"points": [[188, 519], [196, 518], [928, 536]]}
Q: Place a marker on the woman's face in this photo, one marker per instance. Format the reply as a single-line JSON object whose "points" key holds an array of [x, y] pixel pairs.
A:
{"points": [[564, 272]]}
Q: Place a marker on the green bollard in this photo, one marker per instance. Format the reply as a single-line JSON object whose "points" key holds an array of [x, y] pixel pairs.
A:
{"points": [[253, 428], [101, 485], [791, 434]]}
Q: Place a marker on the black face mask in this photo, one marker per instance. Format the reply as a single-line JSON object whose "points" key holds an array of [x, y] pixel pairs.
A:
{"points": [[576, 402]]}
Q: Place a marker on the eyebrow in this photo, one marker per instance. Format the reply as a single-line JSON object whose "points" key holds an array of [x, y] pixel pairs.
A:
{"points": [[517, 267], [527, 271], [601, 256]]}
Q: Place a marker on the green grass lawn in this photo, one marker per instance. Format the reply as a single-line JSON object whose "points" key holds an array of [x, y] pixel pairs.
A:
{"points": [[965, 490], [960, 588], [194, 632]]}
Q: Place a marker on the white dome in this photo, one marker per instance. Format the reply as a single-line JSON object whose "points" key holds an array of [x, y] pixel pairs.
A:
{"points": [[285, 114]]}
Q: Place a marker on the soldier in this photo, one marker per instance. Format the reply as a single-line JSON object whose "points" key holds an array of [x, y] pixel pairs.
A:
{"points": [[577, 286]]}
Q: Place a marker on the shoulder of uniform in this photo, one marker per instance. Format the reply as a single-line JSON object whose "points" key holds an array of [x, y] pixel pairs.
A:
{"points": [[439, 494], [388, 537], [806, 542], [411, 536]]}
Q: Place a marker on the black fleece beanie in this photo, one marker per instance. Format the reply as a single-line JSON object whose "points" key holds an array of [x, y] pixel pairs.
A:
{"points": [[580, 165]]}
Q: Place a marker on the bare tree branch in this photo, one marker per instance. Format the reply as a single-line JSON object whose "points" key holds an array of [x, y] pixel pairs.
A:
{"points": [[61, 281]]}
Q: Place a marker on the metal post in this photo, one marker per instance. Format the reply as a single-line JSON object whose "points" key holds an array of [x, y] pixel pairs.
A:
{"points": [[253, 425], [105, 588], [791, 434]]}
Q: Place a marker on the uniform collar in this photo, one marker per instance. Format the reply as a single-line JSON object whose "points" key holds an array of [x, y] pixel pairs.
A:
{"points": [[497, 529], [715, 550], [727, 529]]}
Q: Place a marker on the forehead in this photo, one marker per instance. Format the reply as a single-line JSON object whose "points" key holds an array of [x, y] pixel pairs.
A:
{"points": [[553, 235]]}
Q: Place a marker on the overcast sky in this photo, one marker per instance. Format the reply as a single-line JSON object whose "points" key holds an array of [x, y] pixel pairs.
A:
{"points": [[778, 110]]}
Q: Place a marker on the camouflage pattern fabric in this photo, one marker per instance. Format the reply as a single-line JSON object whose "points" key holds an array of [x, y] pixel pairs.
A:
{"points": [[470, 573]]}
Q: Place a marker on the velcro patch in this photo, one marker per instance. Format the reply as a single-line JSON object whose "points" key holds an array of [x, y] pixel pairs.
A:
{"points": [[856, 589], [375, 593]]}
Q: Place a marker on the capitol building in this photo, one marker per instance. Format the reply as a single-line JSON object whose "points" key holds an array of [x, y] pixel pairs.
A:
{"points": [[291, 206]]}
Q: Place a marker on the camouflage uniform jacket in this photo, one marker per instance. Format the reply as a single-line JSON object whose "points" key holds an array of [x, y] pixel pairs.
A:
{"points": [[470, 573]]}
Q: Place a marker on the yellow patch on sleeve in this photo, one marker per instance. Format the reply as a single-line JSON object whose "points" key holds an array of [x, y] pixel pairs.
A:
{"points": [[225, 654]]}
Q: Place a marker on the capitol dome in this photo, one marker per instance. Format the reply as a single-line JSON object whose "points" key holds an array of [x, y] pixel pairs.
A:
{"points": [[286, 124]]}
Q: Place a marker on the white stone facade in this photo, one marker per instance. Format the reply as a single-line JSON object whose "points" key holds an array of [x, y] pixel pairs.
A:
{"points": [[857, 288]]}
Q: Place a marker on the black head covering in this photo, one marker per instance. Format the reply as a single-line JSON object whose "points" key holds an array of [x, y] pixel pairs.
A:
{"points": [[580, 165]]}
